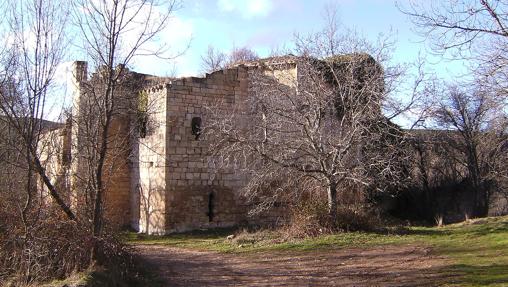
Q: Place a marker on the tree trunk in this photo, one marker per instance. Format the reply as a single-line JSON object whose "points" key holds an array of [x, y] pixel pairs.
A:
{"points": [[332, 201], [52, 190]]}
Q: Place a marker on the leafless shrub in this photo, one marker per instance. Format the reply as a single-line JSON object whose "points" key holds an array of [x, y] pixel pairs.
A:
{"points": [[54, 249], [309, 216], [214, 59], [246, 236]]}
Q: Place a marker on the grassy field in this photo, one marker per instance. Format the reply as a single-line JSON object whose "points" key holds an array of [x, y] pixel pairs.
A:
{"points": [[477, 250]]}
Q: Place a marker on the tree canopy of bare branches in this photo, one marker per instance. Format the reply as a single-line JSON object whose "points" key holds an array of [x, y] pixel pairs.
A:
{"points": [[36, 32], [475, 31], [310, 122], [214, 59], [478, 140]]}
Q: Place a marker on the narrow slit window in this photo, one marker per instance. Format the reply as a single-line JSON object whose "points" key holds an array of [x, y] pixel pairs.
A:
{"points": [[142, 113], [211, 207]]}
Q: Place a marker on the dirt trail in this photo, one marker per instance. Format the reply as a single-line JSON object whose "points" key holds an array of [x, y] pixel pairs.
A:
{"points": [[380, 266]]}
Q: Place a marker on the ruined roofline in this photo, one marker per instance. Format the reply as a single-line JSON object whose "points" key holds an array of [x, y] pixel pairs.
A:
{"points": [[156, 83], [157, 87], [275, 61], [46, 125], [80, 72], [432, 135], [159, 82], [292, 59], [166, 83]]}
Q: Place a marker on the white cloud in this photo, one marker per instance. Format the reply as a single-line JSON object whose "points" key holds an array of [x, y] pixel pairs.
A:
{"points": [[247, 8], [60, 93], [175, 39]]}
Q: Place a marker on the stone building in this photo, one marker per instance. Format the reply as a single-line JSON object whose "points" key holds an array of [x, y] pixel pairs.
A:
{"points": [[160, 179]]}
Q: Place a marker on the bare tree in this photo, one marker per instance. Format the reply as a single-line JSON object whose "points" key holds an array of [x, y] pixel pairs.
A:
{"points": [[213, 60], [37, 41], [476, 31], [113, 32], [314, 129], [242, 54], [479, 140]]}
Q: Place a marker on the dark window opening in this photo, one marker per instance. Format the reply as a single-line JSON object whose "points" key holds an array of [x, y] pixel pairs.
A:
{"points": [[211, 207], [142, 125], [142, 113], [196, 127]]}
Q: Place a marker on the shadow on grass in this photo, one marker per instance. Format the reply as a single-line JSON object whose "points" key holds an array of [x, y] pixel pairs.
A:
{"points": [[499, 227], [215, 233], [481, 275], [140, 274], [470, 229], [428, 232]]}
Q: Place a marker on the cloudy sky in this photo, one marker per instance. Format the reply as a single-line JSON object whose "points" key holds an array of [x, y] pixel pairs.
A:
{"points": [[264, 25]]}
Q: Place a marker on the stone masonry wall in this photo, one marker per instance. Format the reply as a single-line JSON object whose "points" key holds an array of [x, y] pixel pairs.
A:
{"points": [[161, 181], [197, 195], [117, 175], [116, 169], [149, 168], [54, 150]]}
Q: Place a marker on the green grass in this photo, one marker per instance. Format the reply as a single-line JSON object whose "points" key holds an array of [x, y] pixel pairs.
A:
{"points": [[215, 240], [477, 251]]}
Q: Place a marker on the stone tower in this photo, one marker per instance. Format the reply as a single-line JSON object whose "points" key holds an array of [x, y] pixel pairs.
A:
{"points": [[86, 134]]}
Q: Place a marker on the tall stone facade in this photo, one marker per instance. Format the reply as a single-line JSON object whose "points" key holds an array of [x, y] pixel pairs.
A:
{"points": [[161, 179], [177, 188]]}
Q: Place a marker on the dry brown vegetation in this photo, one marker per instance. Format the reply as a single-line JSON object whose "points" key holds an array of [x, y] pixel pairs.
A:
{"points": [[50, 228]]}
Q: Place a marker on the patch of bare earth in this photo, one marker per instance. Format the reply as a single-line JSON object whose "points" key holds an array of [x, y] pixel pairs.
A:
{"points": [[380, 266]]}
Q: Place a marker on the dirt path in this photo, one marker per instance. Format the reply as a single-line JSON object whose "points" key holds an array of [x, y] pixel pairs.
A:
{"points": [[381, 266]]}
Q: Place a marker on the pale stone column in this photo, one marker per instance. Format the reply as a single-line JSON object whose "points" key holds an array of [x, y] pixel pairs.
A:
{"points": [[79, 77]]}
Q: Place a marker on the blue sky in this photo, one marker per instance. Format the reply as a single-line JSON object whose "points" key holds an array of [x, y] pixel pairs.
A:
{"points": [[263, 25], [266, 24]]}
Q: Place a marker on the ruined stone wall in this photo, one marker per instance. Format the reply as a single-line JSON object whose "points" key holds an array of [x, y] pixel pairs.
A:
{"points": [[85, 140], [198, 196], [54, 150], [159, 179], [116, 176], [149, 166]]}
